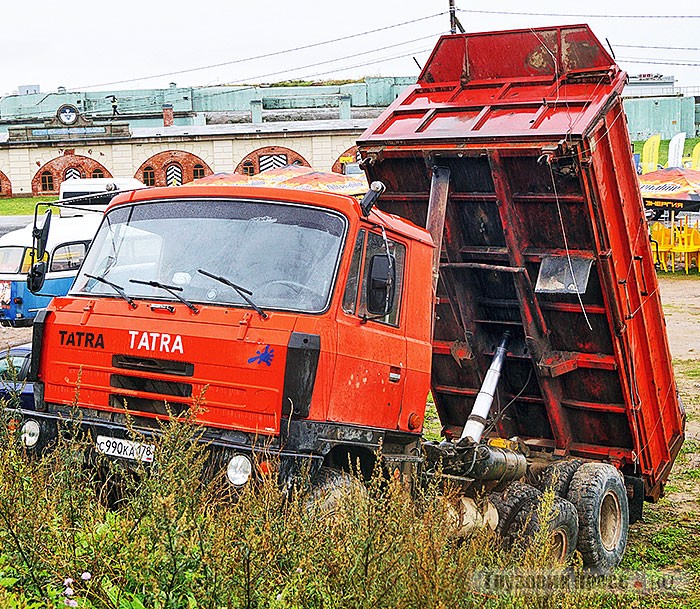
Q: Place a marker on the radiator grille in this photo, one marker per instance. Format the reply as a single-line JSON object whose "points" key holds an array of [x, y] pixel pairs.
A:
{"points": [[141, 405], [146, 385], [152, 364]]}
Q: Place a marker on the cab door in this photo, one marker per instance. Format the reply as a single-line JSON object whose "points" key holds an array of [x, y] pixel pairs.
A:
{"points": [[368, 380]]}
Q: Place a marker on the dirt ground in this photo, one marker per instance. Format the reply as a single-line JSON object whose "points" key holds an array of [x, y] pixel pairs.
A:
{"points": [[9, 337], [668, 538], [681, 301]]}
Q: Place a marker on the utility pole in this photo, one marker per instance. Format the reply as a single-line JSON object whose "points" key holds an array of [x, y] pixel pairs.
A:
{"points": [[454, 21]]}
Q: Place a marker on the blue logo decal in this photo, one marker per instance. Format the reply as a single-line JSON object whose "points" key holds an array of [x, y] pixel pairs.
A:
{"points": [[263, 357]]}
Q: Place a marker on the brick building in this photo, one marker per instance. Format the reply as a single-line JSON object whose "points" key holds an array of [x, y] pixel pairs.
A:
{"points": [[183, 134], [36, 164]]}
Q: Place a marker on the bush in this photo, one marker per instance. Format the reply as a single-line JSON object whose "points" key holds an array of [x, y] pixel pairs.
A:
{"points": [[97, 535]]}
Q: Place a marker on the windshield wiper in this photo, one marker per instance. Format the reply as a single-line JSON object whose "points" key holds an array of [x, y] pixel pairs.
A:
{"points": [[117, 288], [173, 289], [242, 292]]}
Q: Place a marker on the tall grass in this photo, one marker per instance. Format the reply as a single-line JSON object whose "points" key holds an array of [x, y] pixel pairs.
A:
{"points": [[160, 537]]}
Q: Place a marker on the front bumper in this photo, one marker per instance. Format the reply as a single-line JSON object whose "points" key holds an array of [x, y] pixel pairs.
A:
{"points": [[219, 446]]}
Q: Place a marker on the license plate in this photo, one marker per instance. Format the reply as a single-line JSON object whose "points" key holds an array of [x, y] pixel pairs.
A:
{"points": [[125, 449]]}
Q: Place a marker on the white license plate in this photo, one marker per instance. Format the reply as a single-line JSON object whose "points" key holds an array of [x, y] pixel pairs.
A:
{"points": [[125, 449]]}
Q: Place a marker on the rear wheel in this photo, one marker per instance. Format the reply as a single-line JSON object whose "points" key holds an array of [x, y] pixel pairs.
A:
{"points": [[557, 476], [509, 502], [559, 527], [599, 494]]}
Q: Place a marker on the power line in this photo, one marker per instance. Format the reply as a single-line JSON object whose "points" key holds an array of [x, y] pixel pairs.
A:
{"points": [[655, 61], [145, 107], [646, 46], [522, 13], [315, 74], [263, 56], [369, 63], [320, 63]]}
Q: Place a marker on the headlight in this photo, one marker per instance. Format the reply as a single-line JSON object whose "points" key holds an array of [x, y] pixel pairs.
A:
{"points": [[239, 470], [29, 433]]}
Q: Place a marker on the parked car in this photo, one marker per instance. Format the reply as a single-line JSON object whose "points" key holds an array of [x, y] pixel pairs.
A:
{"points": [[14, 369]]}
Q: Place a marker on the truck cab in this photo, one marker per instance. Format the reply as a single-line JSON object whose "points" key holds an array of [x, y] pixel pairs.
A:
{"points": [[270, 316]]}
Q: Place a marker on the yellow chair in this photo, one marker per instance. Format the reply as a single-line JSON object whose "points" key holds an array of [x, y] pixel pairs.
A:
{"points": [[687, 244], [662, 243], [650, 154], [695, 157]]}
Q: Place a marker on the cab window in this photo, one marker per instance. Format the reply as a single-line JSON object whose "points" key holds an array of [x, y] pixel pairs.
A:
{"points": [[350, 295], [11, 367], [68, 257], [367, 246]]}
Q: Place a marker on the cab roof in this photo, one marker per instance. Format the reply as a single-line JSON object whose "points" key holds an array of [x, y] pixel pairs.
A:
{"points": [[347, 205], [63, 230]]}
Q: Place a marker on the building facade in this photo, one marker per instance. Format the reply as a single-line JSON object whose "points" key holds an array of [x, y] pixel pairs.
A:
{"points": [[195, 132]]}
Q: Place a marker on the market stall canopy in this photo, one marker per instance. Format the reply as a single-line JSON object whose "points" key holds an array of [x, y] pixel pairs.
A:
{"points": [[674, 185]]}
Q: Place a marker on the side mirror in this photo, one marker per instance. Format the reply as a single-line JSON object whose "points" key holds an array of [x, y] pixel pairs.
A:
{"points": [[41, 235], [381, 284], [36, 277]]}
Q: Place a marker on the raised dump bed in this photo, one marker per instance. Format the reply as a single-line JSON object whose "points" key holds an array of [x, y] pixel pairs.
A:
{"points": [[545, 236]]}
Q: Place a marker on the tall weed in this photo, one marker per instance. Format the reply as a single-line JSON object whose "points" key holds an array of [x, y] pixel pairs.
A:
{"points": [[79, 531]]}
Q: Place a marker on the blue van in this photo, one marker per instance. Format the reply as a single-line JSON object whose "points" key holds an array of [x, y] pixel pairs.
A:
{"points": [[69, 239]]}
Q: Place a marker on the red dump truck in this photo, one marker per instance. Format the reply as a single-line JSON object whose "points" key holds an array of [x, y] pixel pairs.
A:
{"points": [[500, 260]]}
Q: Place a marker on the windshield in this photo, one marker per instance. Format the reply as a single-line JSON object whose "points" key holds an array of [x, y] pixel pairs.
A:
{"points": [[12, 258], [284, 255]]}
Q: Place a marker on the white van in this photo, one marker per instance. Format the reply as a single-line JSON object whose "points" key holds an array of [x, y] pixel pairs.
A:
{"points": [[68, 242], [103, 190]]}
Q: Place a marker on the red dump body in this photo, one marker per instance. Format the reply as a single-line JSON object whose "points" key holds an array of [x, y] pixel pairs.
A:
{"points": [[545, 235]]}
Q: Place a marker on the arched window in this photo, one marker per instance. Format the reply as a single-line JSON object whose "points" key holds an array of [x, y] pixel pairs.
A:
{"points": [[273, 161], [248, 168], [149, 176], [197, 171], [98, 173], [173, 175], [72, 173], [47, 181]]}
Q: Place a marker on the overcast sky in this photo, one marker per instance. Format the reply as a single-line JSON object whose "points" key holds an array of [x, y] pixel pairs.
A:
{"points": [[91, 46]]}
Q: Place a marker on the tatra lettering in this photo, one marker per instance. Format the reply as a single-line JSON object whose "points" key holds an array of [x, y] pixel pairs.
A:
{"points": [[155, 341], [82, 339]]}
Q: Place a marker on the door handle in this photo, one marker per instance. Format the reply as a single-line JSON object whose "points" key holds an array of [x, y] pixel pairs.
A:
{"points": [[394, 374]]}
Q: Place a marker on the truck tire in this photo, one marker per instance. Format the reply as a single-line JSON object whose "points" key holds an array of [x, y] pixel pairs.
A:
{"points": [[557, 476], [562, 527], [599, 494], [509, 502], [329, 488]]}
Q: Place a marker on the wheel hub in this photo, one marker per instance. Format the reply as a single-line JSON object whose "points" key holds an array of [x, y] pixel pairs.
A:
{"points": [[610, 521]]}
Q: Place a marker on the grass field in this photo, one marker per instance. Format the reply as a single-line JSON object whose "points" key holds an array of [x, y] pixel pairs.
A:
{"points": [[21, 206]]}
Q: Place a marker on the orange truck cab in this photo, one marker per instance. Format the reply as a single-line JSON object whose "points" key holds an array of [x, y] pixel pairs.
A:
{"points": [[259, 311]]}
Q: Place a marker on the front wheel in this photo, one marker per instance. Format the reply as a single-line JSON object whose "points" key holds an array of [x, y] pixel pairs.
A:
{"points": [[329, 489]]}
